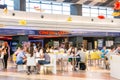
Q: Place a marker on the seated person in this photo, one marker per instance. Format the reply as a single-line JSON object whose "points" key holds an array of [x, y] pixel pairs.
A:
{"points": [[45, 61], [21, 58]]}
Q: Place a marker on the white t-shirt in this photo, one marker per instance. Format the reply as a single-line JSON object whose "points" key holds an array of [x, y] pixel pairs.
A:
{"points": [[37, 56]]}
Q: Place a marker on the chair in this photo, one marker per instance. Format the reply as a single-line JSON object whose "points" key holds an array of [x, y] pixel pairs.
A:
{"points": [[21, 67], [52, 64]]}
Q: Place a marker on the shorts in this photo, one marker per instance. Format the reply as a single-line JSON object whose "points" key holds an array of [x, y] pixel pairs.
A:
{"points": [[20, 62], [69, 59]]}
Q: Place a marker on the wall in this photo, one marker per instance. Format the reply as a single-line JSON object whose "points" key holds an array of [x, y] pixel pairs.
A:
{"points": [[43, 21]]}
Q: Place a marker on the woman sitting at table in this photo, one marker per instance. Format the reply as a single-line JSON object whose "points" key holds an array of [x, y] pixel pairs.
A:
{"points": [[46, 59]]}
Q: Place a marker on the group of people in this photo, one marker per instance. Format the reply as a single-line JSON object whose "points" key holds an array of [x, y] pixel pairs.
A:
{"points": [[106, 54], [40, 56]]}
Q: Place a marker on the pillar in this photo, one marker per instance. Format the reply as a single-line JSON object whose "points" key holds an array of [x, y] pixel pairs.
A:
{"points": [[76, 9], [77, 41]]}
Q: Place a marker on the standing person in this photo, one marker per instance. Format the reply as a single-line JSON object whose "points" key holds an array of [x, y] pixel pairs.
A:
{"points": [[112, 49], [104, 52], [6, 48]]}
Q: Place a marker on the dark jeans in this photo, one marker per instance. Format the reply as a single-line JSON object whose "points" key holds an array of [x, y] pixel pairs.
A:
{"points": [[29, 68], [42, 62], [5, 61]]}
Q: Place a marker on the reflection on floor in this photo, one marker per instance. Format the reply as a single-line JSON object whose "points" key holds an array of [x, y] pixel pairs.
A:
{"points": [[92, 73]]}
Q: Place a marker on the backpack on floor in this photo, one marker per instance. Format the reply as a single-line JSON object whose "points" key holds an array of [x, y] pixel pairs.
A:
{"points": [[82, 66]]}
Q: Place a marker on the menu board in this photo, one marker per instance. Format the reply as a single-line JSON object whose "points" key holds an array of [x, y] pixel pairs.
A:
{"points": [[100, 43], [56, 44]]}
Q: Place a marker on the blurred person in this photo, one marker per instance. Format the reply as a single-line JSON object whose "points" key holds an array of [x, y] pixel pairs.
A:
{"points": [[104, 52], [51, 49], [69, 49], [117, 50], [71, 58], [45, 61], [21, 57], [31, 60], [78, 57], [108, 55], [37, 55], [6, 49], [15, 54]]}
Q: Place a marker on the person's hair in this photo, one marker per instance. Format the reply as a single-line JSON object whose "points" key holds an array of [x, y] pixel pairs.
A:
{"points": [[6, 44], [112, 47], [78, 48], [31, 50], [72, 51], [44, 51]]}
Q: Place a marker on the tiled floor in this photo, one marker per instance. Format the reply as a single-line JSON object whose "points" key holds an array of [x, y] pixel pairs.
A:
{"points": [[92, 73]]}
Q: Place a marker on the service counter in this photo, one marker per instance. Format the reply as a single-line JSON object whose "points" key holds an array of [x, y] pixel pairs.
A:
{"points": [[115, 66]]}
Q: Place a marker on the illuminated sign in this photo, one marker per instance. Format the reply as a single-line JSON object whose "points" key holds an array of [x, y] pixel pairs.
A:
{"points": [[47, 32]]}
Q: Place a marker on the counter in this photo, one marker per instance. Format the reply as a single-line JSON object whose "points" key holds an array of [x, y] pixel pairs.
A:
{"points": [[115, 66]]}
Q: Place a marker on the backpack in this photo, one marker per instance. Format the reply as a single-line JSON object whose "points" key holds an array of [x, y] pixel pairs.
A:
{"points": [[82, 66]]}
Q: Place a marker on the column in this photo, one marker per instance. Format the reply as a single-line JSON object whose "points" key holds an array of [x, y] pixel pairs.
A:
{"points": [[77, 41], [76, 9], [20, 5]]}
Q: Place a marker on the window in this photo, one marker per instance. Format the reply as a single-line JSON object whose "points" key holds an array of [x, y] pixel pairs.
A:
{"points": [[10, 4], [94, 11], [2, 2], [48, 7], [86, 10]]}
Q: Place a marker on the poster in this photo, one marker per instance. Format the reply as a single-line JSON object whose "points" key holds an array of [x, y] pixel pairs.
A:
{"points": [[100, 43]]}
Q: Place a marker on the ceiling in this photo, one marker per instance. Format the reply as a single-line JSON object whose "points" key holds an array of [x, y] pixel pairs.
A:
{"points": [[107, 3]]}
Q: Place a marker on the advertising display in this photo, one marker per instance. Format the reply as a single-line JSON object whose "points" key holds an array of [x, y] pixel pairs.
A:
{"points": [[100, 43]]}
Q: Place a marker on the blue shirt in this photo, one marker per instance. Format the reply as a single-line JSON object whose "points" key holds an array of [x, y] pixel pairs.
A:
{"points": [[104, 52], [20, 56]]}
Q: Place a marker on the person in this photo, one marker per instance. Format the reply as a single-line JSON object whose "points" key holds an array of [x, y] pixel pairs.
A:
{"points": [[31, 60], [21, 58], [71, 58], [6, 49], [112, 49], [78, 57], [117, 50], [45, 61], [104, 52], [15, 55]]}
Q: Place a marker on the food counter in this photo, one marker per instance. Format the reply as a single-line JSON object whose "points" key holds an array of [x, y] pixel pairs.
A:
{"points": [[115, 66]]}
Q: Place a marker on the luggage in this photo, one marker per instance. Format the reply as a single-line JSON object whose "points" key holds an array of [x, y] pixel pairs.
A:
{"points": [[82, 66]]}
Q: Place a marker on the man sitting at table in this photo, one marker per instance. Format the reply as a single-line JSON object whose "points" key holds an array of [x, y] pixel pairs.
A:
{"points": [[21, 58]]}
